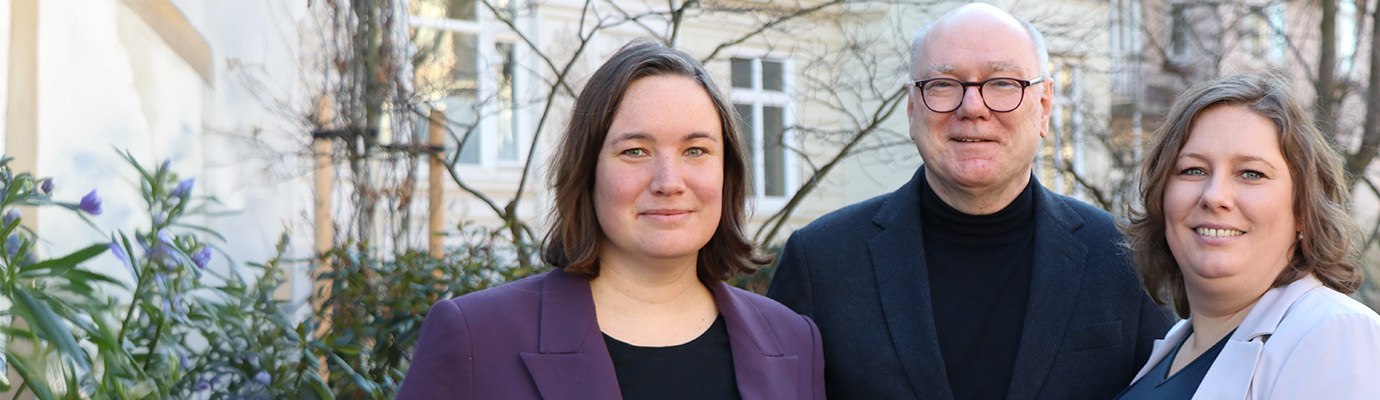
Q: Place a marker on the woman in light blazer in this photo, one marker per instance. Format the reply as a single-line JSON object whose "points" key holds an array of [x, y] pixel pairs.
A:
{"points": [[649, 184], [1245, 231]]}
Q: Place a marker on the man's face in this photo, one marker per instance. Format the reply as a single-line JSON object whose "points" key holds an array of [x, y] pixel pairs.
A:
{"points": [[973, 149]]}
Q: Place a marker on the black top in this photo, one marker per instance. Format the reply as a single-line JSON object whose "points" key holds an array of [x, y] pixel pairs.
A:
{"points": [[1156, 385], [979, 269], [699, 369]]}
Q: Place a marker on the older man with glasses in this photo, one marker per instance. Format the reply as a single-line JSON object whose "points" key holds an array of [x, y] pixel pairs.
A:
{"points": [[972, 281]]}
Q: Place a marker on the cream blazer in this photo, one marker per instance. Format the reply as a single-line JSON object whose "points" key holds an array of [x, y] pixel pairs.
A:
{"points": [[1300, 341]]}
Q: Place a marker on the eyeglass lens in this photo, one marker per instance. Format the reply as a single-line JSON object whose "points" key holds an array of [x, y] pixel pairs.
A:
{"points": [[999, 94]]}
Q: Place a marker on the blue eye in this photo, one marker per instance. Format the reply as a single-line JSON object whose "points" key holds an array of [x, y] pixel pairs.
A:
{"points": [[1252, 174], [1192, 171], [634, 152]]}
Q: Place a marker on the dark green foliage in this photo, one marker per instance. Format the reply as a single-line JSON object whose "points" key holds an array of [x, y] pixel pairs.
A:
{"points": [[376, 307]]}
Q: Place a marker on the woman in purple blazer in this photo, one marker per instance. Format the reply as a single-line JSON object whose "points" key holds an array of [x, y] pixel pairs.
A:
{"points": [[650, 183]]}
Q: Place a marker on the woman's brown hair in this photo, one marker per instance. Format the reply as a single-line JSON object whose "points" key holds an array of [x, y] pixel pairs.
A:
{"points": [[575, 237], [1328, 248]]}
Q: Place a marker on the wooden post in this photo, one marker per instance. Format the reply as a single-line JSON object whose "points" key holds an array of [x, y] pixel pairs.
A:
{"points": [[323, 178], [323, 221], [435, 213]]}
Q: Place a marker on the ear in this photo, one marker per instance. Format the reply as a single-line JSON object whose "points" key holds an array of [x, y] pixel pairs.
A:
{"points": [[1046, 105], [910, 104]]}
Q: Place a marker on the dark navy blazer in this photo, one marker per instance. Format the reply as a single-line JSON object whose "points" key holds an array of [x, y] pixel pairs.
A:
{"points": [[859, 272], [539, 338]]}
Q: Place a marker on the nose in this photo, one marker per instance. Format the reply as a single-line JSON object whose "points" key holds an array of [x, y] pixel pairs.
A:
{"points": [[667, 179], [972, 105], [1217, 194]]}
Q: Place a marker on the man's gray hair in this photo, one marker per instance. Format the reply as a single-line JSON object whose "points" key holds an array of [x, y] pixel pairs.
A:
{"points": [[1041, 52]]}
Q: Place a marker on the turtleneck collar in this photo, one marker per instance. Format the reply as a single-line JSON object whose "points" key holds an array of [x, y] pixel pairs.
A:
{"points": [[943, 222]]}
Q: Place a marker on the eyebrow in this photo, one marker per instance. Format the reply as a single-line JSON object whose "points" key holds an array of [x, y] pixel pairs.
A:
{"points": [[992, 66], [645, 137], [1237, 159]]}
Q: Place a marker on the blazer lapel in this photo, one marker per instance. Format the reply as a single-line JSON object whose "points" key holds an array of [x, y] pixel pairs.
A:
{"points": [[763, 371], [1057, 271], [898, 261], [1231, 373], [1163, 347], [572, 361]]}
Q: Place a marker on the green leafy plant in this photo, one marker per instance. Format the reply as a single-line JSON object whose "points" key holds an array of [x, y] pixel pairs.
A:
{"points": [[182, 331], [375, 306]]}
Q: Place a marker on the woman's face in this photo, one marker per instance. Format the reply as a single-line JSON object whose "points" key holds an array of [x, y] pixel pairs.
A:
{"points": [[659, 181], [1228, 204]]}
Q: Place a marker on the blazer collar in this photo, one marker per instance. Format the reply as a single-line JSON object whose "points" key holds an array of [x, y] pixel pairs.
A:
{"points": [[898, 261], [1232, 371], [1055, 279], [762, 369], [572, 361], [903, 282]]}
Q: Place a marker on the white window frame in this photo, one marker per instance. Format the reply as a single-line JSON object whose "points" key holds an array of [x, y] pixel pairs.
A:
{"points": [[758, 98], [1075, 126], [490, 33]]}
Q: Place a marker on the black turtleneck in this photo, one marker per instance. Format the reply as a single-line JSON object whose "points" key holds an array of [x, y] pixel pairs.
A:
{"points": [[979, 269]]}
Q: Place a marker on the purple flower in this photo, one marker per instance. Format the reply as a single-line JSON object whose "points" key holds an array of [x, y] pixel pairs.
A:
{"points": [[119, 253], [12, 244], [177, 303], [11, 216], [165, 237], [90, 203], [46, 185], [166, 163], [202, 386], [202, 257], [183, 188], [262, 378], [185, 362]]}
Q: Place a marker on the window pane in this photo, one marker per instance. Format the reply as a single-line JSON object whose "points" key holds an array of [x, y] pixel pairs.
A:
{"points": [[506, 91], [773, 152], [749, 145], [742, 73], [461, 116], [446, 77], [447, 9], [1178, 34], [771, 76]]}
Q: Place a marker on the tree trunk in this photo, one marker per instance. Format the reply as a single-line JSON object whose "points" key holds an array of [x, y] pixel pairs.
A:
{"points": [[1327, 66]]}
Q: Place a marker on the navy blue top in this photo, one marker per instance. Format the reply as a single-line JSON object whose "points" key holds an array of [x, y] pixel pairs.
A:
{"points": [[1155, 385], [979, 270]]}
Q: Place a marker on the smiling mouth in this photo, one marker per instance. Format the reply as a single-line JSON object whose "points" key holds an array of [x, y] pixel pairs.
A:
{"points": [[970, 140], [1217, 233]]}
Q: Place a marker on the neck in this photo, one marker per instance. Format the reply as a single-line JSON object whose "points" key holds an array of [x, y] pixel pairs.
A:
{"points": [[1215, 315], [651, 305], [649, 285], [978, 201]]}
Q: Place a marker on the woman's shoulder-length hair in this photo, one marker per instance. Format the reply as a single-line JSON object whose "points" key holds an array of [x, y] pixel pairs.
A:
{"points": [[574, 239], [1328, 248]]}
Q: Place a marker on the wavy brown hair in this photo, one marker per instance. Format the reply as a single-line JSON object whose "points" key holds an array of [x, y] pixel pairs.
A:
{"points": [[1329, 249], [575, 237]]}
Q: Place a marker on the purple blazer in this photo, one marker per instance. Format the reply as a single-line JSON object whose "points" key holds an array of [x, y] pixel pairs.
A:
{"points": [[538, 338]]}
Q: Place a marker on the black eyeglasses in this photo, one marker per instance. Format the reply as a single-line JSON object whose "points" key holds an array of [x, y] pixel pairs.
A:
{"points": [[1001, 95]]}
